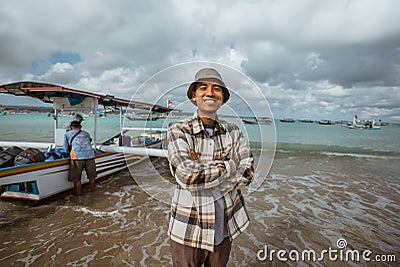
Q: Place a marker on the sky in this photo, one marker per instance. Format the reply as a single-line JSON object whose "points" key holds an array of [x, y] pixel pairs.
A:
{"points": [[311, 59]]}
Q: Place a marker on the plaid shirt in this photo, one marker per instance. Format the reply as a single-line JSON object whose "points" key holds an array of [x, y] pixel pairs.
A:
{"points": [[224, 162]]}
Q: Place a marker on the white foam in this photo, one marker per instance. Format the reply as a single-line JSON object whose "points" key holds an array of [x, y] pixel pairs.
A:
{"points": [[354, 155], [100, 213]]}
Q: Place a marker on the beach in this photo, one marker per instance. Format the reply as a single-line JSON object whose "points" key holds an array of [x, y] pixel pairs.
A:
{"points": [[326, 184]]}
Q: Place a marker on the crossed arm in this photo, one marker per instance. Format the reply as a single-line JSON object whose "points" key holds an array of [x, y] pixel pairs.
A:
{"points": [[219, 174]]}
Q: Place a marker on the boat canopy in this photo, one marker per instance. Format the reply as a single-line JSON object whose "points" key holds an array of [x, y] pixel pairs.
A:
{"points": [[48, 93], [67, 99]]}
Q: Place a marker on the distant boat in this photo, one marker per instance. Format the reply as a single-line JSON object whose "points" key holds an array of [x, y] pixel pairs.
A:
{"points": [[362, 124], [325, 122], [142, 117], [289, 120], [307, 121], [257, 121]]}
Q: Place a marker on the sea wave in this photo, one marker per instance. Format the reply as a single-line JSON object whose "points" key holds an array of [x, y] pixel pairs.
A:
{"points": [[355, 155], [286, 149]]}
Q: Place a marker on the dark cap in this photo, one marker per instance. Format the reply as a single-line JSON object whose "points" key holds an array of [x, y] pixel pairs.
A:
{"points": [[76, 124], [207, 75]]}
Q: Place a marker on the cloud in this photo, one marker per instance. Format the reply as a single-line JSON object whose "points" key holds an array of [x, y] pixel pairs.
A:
{"points": [[59, 73], [310, 58]]}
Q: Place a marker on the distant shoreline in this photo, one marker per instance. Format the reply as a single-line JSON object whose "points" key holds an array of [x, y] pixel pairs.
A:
{"points": [[7, 108], [43, 109]]}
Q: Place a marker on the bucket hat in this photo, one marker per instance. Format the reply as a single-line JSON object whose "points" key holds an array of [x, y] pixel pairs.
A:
{"points": [[207, 75]]}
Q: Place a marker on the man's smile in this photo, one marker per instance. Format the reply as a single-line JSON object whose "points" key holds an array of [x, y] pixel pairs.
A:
{"points": [[210, 100]]}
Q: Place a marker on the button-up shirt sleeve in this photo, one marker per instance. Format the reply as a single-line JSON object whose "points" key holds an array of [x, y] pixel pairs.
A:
{"points": [[245, 171], [192, 175], [239, 167]]}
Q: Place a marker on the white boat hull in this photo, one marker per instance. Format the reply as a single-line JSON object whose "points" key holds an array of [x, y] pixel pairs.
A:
{"points": [[41, 180], [362, 127]]}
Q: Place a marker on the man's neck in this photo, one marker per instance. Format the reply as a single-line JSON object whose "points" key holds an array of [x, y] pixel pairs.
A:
{"points": [[208, 118]]}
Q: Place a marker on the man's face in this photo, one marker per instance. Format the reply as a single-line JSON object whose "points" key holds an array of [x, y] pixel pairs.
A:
{"points": [[209, 97]]}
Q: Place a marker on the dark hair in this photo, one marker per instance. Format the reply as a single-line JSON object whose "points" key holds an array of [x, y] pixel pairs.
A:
{"points": [[76, 124]]}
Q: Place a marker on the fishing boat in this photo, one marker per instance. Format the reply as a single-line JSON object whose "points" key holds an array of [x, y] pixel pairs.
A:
{"points": [[287, 120], [362, 124], [325, 122], [41, 179], [137, 137], [257, 120], [143, 117], [306, 121]]}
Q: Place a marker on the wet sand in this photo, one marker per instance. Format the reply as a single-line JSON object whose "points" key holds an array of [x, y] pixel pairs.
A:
{"points": [[307, 202]]}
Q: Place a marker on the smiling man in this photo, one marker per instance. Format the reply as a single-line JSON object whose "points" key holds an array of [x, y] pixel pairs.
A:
{"points": [[210, 159]]}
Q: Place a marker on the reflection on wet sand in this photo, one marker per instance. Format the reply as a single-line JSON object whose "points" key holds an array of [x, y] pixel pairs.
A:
{"points": [[305, 203]]}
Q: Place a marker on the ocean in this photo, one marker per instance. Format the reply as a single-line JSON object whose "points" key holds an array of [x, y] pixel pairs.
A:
{"points": [[330, 190]]}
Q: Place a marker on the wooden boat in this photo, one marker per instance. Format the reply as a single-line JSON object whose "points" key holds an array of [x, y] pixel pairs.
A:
{"points": [[307, 121], [325, 122], [257, 121], [140, 137], [37, 180], [143, 117], [287, 120]]}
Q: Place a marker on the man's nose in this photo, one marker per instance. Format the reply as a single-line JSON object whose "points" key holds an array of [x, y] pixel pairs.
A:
{"points": [[210, 90]]}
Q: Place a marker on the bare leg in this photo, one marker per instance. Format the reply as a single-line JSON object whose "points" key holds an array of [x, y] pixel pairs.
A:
{"points": [[78, 187], [92, 185]]}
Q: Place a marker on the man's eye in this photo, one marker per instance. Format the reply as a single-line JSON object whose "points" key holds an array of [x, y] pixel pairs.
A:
{"points": [[217, 89]]}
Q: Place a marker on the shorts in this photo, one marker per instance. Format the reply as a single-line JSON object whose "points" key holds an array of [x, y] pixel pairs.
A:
{"points": [[76, 167]]}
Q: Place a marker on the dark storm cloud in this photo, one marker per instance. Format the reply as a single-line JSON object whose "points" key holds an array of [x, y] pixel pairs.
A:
{"points": [[309, 57]]}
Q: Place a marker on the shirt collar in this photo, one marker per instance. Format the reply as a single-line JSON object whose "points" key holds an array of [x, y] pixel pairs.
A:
{"points": [[198, 125]]}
